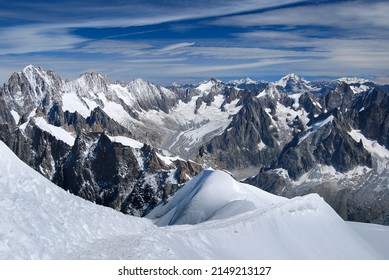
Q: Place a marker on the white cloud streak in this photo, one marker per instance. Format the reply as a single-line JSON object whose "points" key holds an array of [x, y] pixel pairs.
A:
{"points": [[113, 13], [36, 38], [347, 15], [338, 39], [176, 46]]}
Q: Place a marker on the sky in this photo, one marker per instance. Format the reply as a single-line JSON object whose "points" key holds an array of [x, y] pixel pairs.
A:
{"points": [[188, 41]]}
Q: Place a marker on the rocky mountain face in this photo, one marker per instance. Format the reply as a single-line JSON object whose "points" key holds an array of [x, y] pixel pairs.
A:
{"points": [[129, 145], [130, 177], [79, 152], [341, 154], [249, 139]]}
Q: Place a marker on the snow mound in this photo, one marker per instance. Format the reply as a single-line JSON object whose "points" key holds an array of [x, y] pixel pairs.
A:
{"points": [[211, 195]]}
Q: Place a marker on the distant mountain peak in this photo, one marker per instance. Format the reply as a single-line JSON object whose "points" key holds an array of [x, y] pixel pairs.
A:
{"points": [[353, 80], [294, 83], [94, 77], [246, 81], [290, 77], [206, 86], [140, 84], [28, 68], [31, 71], [139, 81]]}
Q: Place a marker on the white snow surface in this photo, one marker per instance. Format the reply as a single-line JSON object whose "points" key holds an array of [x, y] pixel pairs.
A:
{"points": [[57, 132], [296, 80], [129, 142], [125, 141], [15, 115], [246, 81], [376, 235], [353, 80], [196, 202], [379, 152], [41, 221], [359, 89], [313, 128], [371, 146], [206, 86]]}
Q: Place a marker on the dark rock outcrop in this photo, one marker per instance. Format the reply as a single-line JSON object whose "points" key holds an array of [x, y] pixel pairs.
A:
{"points": [[238, 146], [130, 180], [329, 145]]}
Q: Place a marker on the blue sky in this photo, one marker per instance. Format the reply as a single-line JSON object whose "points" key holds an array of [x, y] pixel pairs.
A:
{"points": [[188, 41]]}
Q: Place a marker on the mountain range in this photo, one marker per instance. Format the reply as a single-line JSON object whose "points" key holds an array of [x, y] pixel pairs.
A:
{"points": [[132, 146]]}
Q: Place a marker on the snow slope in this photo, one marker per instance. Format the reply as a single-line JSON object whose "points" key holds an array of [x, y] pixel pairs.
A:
{"points": [[376, 235], [41, 221], [314, 127], [57, 132], [211, 195]]}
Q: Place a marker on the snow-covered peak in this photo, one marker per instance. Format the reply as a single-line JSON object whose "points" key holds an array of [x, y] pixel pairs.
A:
{"points": [[140, 85], [283, 82], [28, 68], [139, 82], [271, 90], [142, 90], [353, 80], [93, 81], [32, 70], [246, 81], [293, 83], [88, 85], [28, 88], [35, 75], [206, 86]]}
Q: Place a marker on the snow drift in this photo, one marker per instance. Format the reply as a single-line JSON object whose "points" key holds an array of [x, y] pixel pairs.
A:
{"points": [[41, 221]]}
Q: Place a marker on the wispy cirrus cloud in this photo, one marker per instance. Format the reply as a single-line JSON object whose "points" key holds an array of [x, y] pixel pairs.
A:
{"points": [[36, 38], [177, 46], [340, 37], [46, 26], [115, 47], [117, 13], [352, 16], [195, 39]]}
